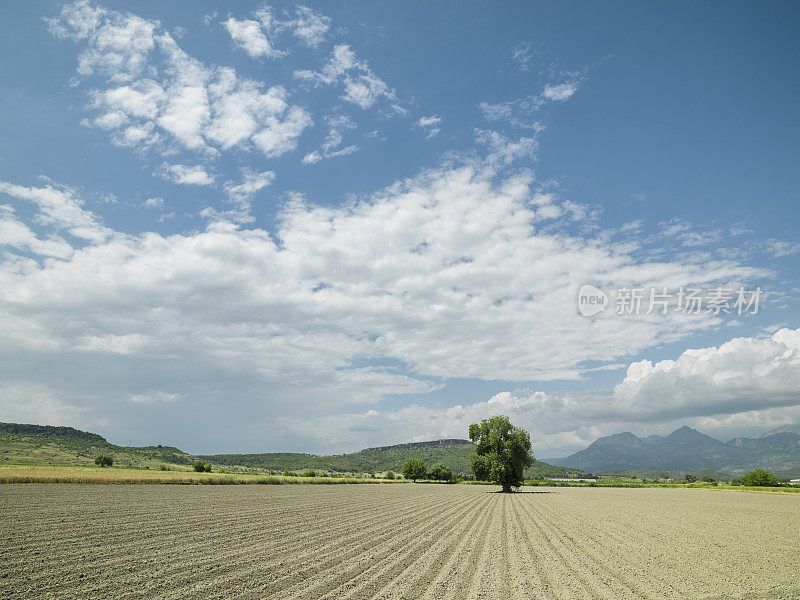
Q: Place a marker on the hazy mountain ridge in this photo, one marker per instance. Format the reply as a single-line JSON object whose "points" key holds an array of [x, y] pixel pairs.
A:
{"points": [[686, 449]]}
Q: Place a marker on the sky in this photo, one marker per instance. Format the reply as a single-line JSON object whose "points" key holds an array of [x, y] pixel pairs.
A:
{"points": [[320, 227]]}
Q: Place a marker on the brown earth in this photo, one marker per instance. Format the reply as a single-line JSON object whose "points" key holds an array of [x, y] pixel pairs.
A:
{"points": [[399, 541]]}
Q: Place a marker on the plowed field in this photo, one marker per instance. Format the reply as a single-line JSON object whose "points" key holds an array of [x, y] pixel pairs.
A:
{"points": [[394, 541]]}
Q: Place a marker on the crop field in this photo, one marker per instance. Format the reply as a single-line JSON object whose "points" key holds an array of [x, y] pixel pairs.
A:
{"points": [[49, 474], [394, 541]]}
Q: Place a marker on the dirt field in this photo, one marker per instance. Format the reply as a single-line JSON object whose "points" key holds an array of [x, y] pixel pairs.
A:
{"points": [[394, 541]]}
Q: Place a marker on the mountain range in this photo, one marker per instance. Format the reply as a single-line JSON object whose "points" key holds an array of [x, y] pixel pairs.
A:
{"points": [[687, 449], [50, 445]]}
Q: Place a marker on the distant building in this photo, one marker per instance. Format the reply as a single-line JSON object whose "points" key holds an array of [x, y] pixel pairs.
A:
{"points": [[568, 479], [794, 481]]}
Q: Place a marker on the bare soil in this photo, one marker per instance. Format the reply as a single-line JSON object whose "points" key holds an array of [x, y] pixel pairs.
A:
{"points": [[395, 541]]}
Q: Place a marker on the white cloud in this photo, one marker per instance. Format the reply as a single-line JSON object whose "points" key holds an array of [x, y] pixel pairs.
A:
{"points": [[429, 121], [252, 183], [560, 92], [310, 27], [443, 274], [742, 387], [503, 150], [182, 174], [431, 124], [332, 145], [742, 374], [523, 55], [251, 36], [312, 157], [157, 202], [361, 86], [780, 248], [16, 234], [157, 97], [60, 208], [257, 37]]}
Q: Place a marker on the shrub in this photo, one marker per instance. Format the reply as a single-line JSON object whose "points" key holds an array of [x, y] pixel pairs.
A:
{"points": [[709, 479], [199, 466], [104, 460], [288, 473], [163, 468], [691, 478], [309, 474], [389, 475], [760, 477]]}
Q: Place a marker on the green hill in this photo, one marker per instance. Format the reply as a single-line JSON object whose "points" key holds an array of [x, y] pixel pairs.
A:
{"points": [[48, 445], [453, 453]]}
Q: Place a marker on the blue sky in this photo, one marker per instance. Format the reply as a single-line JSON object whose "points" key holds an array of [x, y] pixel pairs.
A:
{"points": [[321, 227]]}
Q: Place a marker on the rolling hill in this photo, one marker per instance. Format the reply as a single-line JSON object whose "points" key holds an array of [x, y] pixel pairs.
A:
{"points": [[453, 453], [45, 444], [687, 449]]}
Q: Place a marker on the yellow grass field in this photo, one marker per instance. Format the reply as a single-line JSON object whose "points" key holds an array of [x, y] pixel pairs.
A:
{"points": [[48, 474]]}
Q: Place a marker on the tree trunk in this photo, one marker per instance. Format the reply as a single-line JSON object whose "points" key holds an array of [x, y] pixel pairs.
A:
{"points": [[506, 489]]}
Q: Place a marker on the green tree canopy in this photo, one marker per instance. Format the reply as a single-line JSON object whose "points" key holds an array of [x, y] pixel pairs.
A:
{"points": [[502, 452], [759, 477], [440, 472], [414, 469], [104, 461]]}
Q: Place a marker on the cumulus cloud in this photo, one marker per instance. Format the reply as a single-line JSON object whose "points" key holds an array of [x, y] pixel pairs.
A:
{"points": [[740, 375], [361, 86], [251, 36], [157, 97], [257, 36], [182, 174], [441, 276], [744, 386]]}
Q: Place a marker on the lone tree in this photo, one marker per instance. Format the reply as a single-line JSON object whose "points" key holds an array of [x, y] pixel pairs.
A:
{"points": [[414, 469], [104, 461], [502, 452]]}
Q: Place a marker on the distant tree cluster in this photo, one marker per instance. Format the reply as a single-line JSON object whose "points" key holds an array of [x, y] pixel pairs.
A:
{"points": [[201, 467], [760, 477], [104, 460], [414, 469]]}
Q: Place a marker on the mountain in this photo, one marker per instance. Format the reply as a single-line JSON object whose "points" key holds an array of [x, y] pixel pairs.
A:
{"points": [[687, 449], [45, 444]]}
